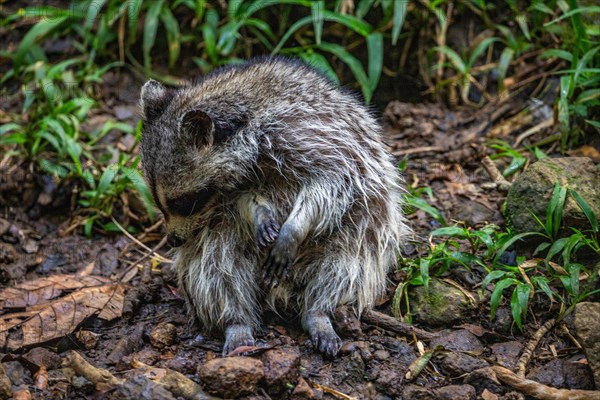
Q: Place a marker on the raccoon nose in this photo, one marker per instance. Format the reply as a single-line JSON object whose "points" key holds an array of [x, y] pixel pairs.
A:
{"points": [[174, 240]]}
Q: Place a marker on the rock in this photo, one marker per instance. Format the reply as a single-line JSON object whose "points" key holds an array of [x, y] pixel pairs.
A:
{"points": [[507, 353], [163, 335], [17, 374], [281, 369], [141, 388], [42, 356], [231, 377], [5, 385], [302, 391], [484, 378], [346, 322], [414, 392], [560, 373], [456, 392], [532, 190], [441, 305], [587, 327], [455, 364], [381, 355], [88, 339], [457, 340]]}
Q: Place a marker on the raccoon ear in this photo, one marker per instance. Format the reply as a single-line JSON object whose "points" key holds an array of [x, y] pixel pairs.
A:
{"points": [[155, 97], [198, 127]]}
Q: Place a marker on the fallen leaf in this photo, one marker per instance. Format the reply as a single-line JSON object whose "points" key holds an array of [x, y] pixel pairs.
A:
{"points": [[40, 290], [44, 322]]}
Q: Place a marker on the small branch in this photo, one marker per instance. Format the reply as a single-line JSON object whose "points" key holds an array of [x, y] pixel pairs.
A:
{"points": [[101, 378], [389, 323], [501, 183], [539, 391], [531, 345]]}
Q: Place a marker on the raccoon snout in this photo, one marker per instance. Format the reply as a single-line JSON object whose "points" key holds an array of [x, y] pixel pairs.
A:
{"points": [[175, 240]]}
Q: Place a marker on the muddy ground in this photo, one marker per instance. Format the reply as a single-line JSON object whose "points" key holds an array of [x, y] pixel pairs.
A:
{"points": [[149, 324]]}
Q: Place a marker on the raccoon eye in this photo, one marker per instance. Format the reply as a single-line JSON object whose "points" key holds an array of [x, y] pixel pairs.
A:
{"points": [[190, 203]]}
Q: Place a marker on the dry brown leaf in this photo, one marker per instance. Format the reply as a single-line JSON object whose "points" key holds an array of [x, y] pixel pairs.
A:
{"points": [[40, 290], [44, 322]]}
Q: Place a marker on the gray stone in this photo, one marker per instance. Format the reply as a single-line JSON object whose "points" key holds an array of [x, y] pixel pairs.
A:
{"points": [[455, 364], [440, 305], [456, 392], [457, 340], [532, 190], [587, 327], [507, 353]]}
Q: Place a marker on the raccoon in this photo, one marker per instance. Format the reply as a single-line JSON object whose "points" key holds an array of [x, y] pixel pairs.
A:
{"points": [[277, 192]]}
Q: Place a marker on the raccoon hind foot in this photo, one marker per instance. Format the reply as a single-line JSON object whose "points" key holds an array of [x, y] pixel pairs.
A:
{"points": [[322, 334], [237, 335]]}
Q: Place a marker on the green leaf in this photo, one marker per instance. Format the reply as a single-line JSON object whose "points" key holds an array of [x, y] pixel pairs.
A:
{"points": [[454, 58], [581, 65], [400, 7], [141, 188], [505, 60], [133, 12], [353, 63], [587, 210], [106, 178], [512, 240], [150, 29], [39, 30], [559, 53], [497, 294], [481, 47], [522, 22], [375, 49], [422, 204], [493, 276], [317, 11], [580, 10], [452, 231], [321, 63], [519, 303], [173, 36]]}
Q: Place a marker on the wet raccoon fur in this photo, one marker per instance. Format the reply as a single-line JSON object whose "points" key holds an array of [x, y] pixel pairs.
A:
{"points": [[277, 191]]}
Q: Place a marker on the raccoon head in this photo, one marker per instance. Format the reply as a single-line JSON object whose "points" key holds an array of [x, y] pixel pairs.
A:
{"points": [[194, 155]]}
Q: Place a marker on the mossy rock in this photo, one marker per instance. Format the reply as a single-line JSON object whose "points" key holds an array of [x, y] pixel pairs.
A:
{"points": [[441, 305], [530, 193]]}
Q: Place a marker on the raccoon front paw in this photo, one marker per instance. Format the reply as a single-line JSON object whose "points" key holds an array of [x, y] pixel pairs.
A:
{"points": [[280, 260], [267, 231], [237, 335]]}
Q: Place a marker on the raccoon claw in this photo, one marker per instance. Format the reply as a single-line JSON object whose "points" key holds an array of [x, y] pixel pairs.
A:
{"points": [[327, 343], [267, 232], [277, 268], [236, 336]]}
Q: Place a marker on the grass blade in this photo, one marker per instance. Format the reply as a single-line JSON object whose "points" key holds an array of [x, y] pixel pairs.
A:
{"points": [[150, 28], [398, 19], [317, 10], [375, 49]]}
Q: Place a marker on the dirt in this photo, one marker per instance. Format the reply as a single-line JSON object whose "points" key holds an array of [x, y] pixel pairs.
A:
{"points": [[148, 337]]}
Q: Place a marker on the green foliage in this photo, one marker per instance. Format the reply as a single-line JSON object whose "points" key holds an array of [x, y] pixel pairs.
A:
{"points": [[483, 248]]}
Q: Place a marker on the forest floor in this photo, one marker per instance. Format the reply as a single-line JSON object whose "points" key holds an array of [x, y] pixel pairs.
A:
{"points": [[118, 303]]}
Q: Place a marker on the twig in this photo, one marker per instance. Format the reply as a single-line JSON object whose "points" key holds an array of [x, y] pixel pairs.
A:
{"points": [[539, 391], [546, 124], [125, 277], [501, 183], [130, 236], [531, 345], [101, 378], [384, 321], [333, 391], [424, 149]]}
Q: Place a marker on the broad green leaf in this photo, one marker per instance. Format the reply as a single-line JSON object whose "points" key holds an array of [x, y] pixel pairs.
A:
{"points": [[454, 58], [317, 11], [559, 53], [581, 10], [481, 47], [321, 63], [426, 207], [375, 49], [452, 231], [39, 30], [353, 63], [400, 7], [587, 210], [497, 294], [106, 178], [492, 276]]}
